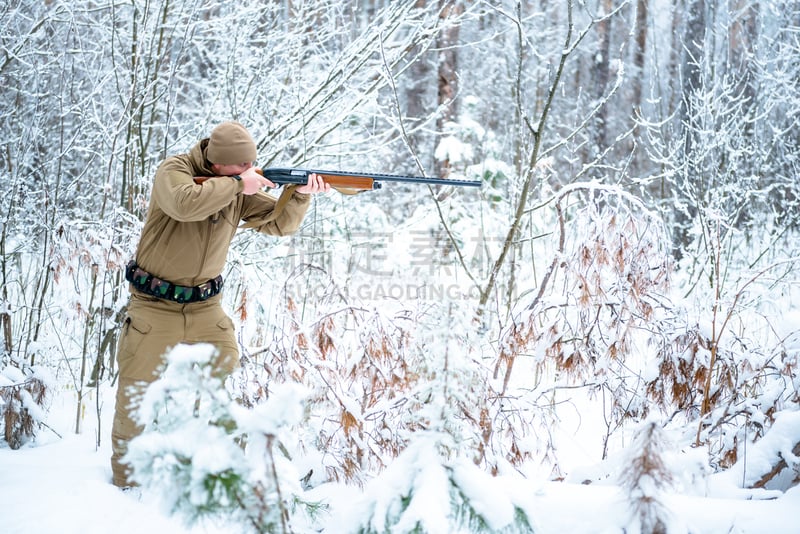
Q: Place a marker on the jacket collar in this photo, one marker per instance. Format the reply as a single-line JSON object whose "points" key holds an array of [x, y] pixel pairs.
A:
{"points": [[197, 155]]}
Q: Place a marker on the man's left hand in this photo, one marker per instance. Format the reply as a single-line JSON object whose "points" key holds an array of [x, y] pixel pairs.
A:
{"points": [[315, 185]]}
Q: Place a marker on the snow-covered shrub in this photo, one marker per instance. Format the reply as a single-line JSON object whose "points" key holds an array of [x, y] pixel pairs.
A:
{"points": [[726, 358], [376, 378], [773, 462], [24, 398], [588, 320], [361, 373], [206, 457], [423, 491]]}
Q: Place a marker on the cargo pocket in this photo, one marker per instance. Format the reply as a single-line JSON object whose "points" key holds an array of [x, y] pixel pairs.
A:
{"points": [[226, 323], [134, 334], [228, 359]]}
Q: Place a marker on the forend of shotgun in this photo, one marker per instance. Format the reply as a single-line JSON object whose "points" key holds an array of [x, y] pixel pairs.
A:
{"points": [[337, 179]]}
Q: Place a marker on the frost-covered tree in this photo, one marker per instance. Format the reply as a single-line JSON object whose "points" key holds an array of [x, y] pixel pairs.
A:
{"points": [[206, 457], [724, 158]]}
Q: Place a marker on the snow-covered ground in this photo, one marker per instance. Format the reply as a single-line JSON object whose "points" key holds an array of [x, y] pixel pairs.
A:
{"points": [[62, 485]]}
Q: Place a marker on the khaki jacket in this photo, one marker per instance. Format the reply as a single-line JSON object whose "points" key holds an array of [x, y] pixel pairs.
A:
{"points": [[189, 227]]}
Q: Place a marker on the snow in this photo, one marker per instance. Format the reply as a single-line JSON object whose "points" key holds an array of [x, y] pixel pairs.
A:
{"points": [[487, 494], [62, 484], [763, 454], [60, 481], [283, 407]]}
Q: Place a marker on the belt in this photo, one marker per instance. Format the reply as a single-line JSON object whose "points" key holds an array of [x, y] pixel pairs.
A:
{"points": [[164, 289]]}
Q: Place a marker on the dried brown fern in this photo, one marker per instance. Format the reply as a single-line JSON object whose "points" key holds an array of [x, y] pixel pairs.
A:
{"points": [[20, 420]]}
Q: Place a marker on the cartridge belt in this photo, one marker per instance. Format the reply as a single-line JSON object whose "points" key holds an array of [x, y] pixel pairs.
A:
{"points": [[164, 289]]}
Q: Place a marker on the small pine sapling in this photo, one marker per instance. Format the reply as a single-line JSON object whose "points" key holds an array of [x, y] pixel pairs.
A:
{"points": [[645, 478], [423, 491], [208, 458]]}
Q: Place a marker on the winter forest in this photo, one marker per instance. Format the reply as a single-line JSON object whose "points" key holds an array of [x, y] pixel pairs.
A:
{"points": [[614, 306]]}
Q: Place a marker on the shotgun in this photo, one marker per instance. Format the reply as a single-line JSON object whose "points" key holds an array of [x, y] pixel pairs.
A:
{"points": [[348, 182]]}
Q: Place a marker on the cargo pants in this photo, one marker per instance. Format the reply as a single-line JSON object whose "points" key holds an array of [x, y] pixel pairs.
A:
{"points": [[151, 328]]}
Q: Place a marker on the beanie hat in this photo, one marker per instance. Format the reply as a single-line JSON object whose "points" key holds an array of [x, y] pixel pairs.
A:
{"points": [[230, 144]]}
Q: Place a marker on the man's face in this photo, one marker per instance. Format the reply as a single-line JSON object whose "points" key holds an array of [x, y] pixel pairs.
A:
{"points": [[230, 170]]}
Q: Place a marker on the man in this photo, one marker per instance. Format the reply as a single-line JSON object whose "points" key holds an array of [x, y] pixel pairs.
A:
{"points": [[175, 280]]}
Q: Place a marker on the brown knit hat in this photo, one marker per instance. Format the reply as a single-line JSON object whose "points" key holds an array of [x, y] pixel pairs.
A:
{"points": [[230, 144]]}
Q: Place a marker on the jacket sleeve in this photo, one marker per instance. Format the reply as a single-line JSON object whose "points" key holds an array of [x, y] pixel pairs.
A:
{"points": [[259, 212], [181, 199]]}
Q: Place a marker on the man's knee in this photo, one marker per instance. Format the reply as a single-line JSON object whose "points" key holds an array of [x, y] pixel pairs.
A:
{"points": [[226, 363]]}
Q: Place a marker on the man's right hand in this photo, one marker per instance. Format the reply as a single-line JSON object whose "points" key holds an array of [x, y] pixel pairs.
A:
{"points": [[254, 182]]}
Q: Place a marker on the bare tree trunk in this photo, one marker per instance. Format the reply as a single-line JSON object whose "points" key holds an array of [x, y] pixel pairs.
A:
{"points": [[528, 172], [638, 59], [691, 81], [447, 76], [742, 38], [600, 74], [5, 316], [639, 53], [417, 92]]}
